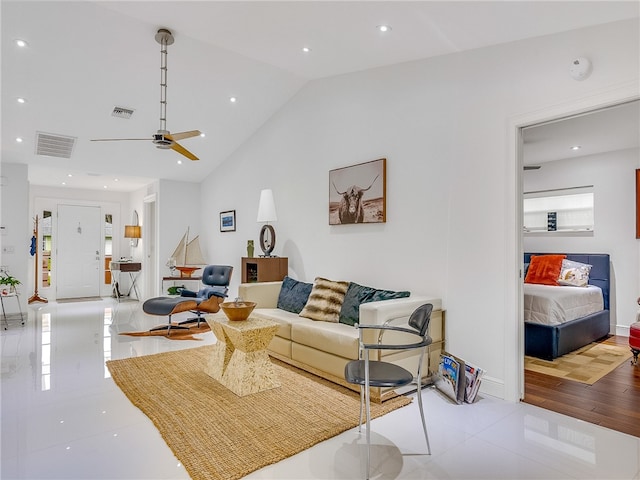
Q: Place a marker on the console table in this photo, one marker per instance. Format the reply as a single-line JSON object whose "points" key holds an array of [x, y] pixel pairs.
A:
{"points": [[133, 269]]}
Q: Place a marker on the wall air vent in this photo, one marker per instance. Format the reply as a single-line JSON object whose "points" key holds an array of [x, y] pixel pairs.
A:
{"points": [[122, 112], [53, 145]]}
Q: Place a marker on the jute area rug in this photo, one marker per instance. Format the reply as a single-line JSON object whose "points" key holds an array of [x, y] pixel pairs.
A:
{"points": [[218, 435], [175, 334], [586, 365]]}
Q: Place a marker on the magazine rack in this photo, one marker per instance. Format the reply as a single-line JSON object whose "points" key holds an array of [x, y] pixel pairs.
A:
{"points": [[458, 379]]}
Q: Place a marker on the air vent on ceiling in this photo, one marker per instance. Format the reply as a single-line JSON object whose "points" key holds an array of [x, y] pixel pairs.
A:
{"points": [[52, 145], [122, 112]]}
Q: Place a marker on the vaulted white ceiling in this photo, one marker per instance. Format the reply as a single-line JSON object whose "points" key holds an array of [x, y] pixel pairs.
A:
{"points": [[84, 58]]}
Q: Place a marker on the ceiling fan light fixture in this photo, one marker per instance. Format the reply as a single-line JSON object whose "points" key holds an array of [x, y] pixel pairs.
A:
{"points": [[162, 139]]}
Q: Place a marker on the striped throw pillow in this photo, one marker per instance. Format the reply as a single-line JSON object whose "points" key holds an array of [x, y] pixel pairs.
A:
{"points": [[325, 300]]}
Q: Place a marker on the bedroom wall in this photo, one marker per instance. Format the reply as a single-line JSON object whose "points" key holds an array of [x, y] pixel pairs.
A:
{"points": [[613, 177], [444, 126]]}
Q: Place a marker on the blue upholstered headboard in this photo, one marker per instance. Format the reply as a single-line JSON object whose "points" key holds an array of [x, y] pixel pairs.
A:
{"points": [[600, 271]]}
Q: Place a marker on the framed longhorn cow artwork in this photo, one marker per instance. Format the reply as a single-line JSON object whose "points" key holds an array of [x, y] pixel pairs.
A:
{"points": [[358, 193]]}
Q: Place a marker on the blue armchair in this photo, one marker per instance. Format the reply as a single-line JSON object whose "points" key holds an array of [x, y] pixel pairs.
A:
{"points": [[216, 279]]}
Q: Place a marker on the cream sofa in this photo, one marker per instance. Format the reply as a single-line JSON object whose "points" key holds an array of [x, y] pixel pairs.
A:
{"points": [[324, 348]]}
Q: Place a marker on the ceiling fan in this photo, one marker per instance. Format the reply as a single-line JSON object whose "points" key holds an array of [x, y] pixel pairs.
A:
{"points": [[163, 138]]}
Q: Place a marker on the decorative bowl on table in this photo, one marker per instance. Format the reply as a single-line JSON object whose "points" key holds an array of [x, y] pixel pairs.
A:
{"points": [[237, 311]]}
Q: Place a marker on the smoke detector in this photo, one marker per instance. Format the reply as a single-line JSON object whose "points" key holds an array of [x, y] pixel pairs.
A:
{"points": [[580, 68]]}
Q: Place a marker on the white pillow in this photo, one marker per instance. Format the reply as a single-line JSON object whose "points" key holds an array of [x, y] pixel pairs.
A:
{"points": [[574, 274]]}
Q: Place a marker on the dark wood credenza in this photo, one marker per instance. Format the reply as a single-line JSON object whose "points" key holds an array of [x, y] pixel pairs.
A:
{"points": [[264, 269]]}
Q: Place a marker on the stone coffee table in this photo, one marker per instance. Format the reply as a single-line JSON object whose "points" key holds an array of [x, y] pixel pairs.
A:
{"points": [[240, 361]]}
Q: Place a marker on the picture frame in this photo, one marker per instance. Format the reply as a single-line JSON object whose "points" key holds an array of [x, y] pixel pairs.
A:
{"points": [[358, 193], [228, 221]]}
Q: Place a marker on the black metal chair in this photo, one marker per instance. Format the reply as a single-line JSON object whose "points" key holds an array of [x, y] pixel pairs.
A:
{"points": [[376, 373]]}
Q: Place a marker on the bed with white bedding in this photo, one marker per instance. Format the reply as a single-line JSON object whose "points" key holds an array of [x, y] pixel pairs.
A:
{"points": [[554, 305], [561, 319]]}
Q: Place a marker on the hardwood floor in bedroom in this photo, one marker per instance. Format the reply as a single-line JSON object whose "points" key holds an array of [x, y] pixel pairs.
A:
{"points": [[612, 402]]}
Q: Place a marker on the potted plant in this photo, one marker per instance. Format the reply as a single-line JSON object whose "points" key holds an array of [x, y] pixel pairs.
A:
{"points": [[10, 281]]}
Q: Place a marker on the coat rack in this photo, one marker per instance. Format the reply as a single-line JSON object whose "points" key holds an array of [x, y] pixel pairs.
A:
{"points": [[35, 297]]}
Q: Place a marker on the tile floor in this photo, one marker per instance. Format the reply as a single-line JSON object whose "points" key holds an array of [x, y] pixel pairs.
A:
{"points": [[63, 417]]}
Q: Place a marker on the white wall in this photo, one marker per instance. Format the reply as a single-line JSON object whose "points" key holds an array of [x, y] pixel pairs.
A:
{"points": [[116, 203], [17, 230], [613, 177], [179, 207], [444, 126]]}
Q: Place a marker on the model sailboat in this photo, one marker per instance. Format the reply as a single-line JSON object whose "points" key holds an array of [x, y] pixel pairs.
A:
{"points": [[187, 255]]}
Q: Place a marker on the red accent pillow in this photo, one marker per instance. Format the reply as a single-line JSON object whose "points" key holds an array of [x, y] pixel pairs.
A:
{"points": [[544, 269]]}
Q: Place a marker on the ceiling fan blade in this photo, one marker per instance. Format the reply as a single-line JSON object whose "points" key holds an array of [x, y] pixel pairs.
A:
{"points": [[183, 135], [180, 149], [116, 139]]}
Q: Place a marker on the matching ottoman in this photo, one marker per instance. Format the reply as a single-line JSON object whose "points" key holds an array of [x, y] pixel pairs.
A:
{"points": [[634, 341]]}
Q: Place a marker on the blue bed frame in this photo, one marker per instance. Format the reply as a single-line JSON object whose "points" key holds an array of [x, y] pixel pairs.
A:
{"points": [[551, 341]]}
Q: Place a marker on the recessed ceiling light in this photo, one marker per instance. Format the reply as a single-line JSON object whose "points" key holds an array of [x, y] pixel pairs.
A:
{"points": [[21, 43], [64, 183], [202, 134], [576, 147], [21, 100], [19, 139], [179, 162], [384, 28], [306, 49], [116, 179], [69, 175], [104, 186], [233, 99]]}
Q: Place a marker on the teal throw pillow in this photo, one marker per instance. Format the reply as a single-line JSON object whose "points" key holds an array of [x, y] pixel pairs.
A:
{"points": [[358, 294], [293, 295]]}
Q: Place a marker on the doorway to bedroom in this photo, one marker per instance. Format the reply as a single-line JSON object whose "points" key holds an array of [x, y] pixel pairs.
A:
{"points": [[594, 152]]}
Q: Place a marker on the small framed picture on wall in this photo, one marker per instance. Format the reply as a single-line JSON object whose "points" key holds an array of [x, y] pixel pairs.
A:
{"points": [[228, 221]]}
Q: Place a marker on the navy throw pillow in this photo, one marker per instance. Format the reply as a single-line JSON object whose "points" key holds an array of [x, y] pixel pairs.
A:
{"points": [[358, 294], [293, 295]]}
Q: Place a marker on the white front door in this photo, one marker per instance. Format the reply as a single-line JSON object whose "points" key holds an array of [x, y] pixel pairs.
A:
{"points": [[78, 247]]}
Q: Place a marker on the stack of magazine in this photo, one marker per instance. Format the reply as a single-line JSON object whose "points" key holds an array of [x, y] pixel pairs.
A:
{"points": [[457, 379]]}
